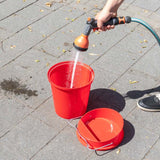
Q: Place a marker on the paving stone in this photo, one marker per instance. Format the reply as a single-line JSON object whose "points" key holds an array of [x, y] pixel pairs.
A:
{"points": [[38, 83], [16, 45], [5, 126], [27, 39], [12, 112], [55, 21], [9, 154], [57, 44], [125, 53], [148, 4], [155, 18], [82, 6], [103, 77], [129, 1], [154, 152], [28, 137], [96, 4], [135, 11], [3, 34], [9, 7], [46, 113], [22, 19], [135, 149], [149, 64], [124, 5], [29, 63], [56, 4], [133, 92], [158, 11], [63, 146], [146, 120], [134, 80]]}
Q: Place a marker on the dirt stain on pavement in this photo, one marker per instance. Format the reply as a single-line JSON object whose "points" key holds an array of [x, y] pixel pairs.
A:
{"points": [[13, 86]]}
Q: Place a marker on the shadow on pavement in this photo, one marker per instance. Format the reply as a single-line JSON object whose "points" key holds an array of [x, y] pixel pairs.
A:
{"points": [[105, 98], [134, 94]]}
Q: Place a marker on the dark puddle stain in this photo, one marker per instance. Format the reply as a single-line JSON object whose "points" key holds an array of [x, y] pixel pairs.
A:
{"points": [[13, 86]]}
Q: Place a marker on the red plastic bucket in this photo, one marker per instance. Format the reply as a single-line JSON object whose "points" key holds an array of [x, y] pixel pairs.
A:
{"points": [[70, 102], [101, 129]]}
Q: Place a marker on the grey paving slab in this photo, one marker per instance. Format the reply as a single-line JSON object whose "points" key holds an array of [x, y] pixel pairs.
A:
{"points": [[81, 5], [134, 80], [23, 18], [96, 4], [29, 63], [56, 20], [103, 77], [46, 113], [5, 126], [135, 149], [150, 5], [29, 37], [3, 34], [54, 4], [154, 152], [145, 119], [12, 113], [57, 44], [28, 137], [126, 88], [32, 74], [155, 17], [9, 7], [158, 11], [16, 45], [9, 154], [149, 64], [137, 12], [39, 83], [118, 59], [64, 146]]}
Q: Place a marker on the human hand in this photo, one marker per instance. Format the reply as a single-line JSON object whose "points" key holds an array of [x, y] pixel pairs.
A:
{"points": [[102, 17], [109, 11]]}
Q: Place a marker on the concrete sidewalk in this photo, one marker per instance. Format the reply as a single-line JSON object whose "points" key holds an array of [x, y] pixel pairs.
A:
{"points": [[34, 36]]}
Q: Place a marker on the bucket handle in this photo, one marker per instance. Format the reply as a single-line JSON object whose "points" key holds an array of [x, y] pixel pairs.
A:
{"points": [[88, 145]]}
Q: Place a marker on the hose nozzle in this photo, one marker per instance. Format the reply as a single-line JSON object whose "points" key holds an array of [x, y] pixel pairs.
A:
{"points": [[81, 42]]}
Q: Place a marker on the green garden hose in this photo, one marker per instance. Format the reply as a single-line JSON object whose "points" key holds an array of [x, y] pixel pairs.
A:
{"points": [[148, 27]]}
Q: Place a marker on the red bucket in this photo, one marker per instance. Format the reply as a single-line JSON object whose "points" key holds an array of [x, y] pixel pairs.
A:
{"points": [[70, 102], [101, 129]]}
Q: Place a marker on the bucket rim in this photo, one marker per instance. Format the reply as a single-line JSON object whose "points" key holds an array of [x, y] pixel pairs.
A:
{"points": [[104, 109], [66, 62]]}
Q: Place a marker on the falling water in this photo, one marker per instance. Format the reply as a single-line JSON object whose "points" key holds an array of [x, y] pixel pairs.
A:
{"points": [[74, 68]]}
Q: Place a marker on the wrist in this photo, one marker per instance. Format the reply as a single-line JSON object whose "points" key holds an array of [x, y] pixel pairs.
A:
{"points": [[112, 5]]}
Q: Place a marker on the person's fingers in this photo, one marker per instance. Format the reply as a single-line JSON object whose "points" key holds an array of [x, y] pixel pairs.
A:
{"points": [[100, 24], [108, 27], [112, 26]]}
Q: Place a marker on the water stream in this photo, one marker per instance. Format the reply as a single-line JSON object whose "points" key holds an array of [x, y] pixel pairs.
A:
{"points": [[74, 69]]}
